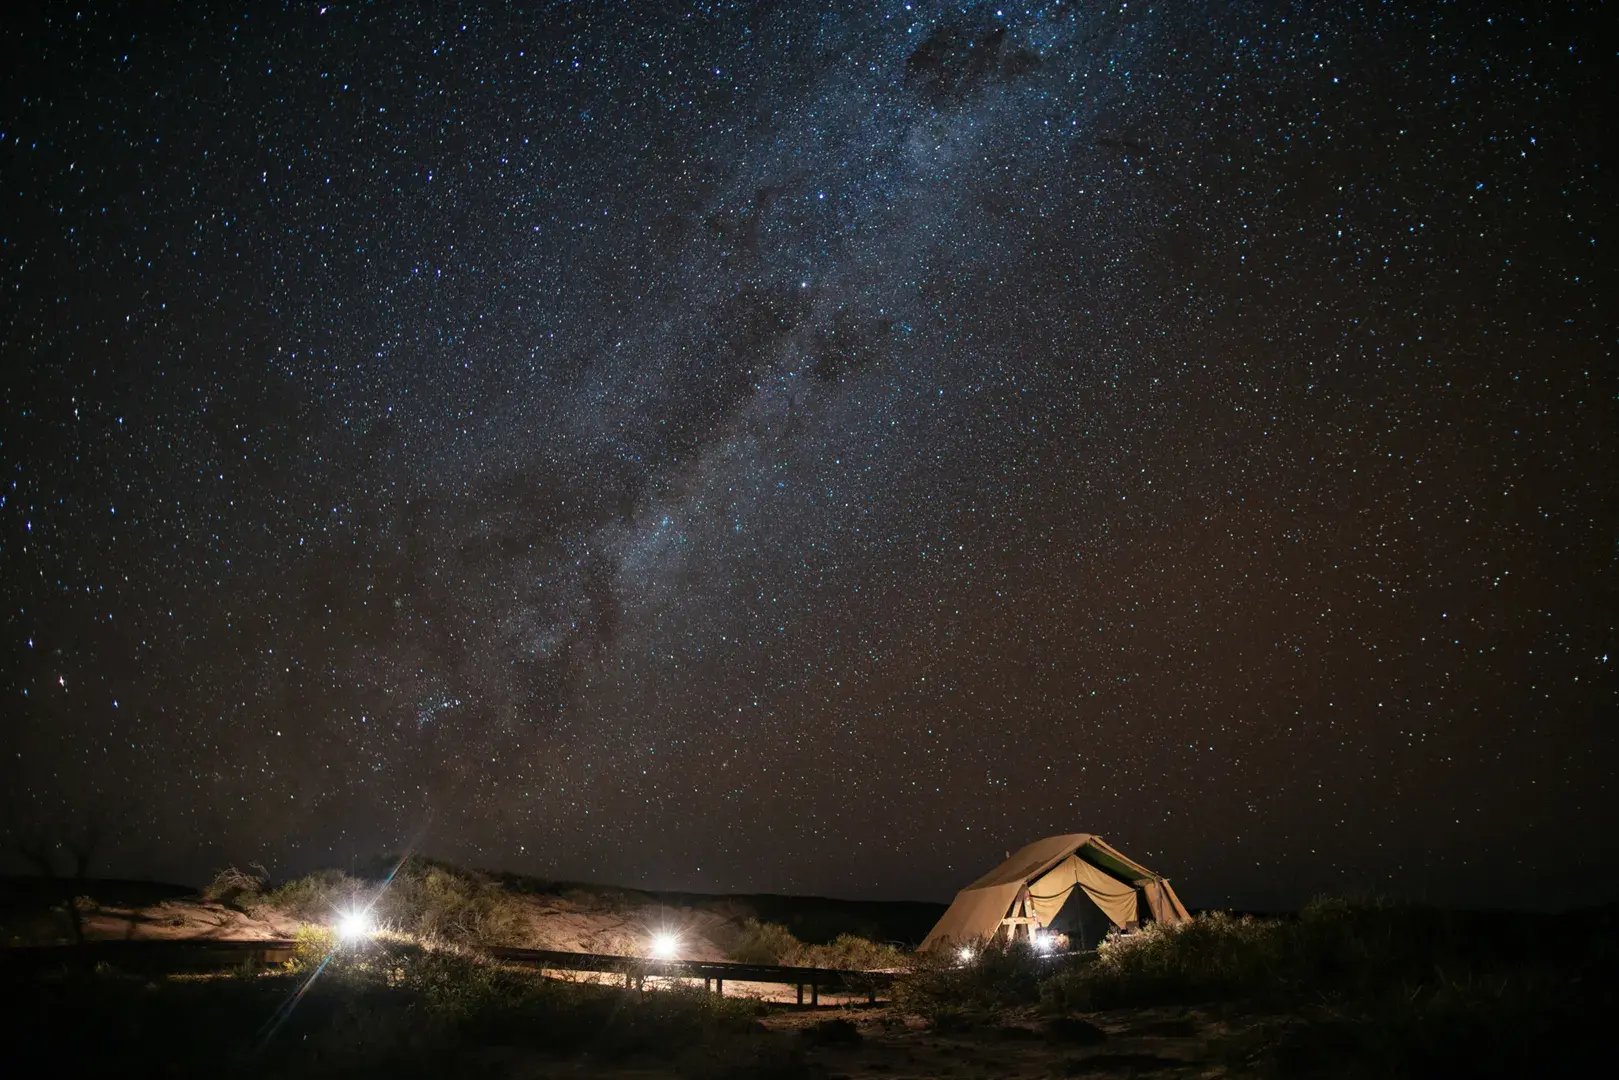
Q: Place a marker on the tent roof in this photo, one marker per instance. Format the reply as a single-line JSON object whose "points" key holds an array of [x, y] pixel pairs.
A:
{"points": [[1032, 860]]}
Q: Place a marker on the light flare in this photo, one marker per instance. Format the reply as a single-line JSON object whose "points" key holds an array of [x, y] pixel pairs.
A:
{"points": [[355, 924]]}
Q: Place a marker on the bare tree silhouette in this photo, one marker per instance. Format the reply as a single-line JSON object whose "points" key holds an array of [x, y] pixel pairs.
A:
{"points": [[60, 853]]}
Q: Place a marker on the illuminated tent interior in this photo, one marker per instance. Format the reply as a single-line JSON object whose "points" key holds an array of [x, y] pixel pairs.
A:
{"points": [[1076, 884]]}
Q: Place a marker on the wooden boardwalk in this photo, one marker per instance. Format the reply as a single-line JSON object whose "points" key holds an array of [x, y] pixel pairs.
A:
{"points": [[714, 973], [194, 954]]}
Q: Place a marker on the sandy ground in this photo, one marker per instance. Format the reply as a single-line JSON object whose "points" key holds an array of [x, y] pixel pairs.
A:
{"points": [[176, 920], [580, 924], [1159, 1042], [877, 1043]]}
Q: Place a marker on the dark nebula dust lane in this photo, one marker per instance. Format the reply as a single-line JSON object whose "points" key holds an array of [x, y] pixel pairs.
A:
{"points": [[816, 447]]}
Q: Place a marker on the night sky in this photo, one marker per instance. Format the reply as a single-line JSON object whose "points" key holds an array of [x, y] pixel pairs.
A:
{"points": [[816, 447]]}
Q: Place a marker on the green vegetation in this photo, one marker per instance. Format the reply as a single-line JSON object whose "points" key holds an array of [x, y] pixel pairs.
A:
{"points": [[1514, 1023], [952, 994], [765, 943], [1347, 988], [426, 898], [238, 888], [1213, 956], [772, 943], [1335, 946], [391, 1006], [1343, 989], [852, 953]]}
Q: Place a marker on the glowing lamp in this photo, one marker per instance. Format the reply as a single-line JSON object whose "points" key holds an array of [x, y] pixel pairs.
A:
{"points": [[1043, 942], [965, 954], [355, 925], [665, 945]]}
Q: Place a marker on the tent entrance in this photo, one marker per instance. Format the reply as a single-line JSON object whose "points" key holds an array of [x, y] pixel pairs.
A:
{"points": [[1081, 921], [1080, 900]]}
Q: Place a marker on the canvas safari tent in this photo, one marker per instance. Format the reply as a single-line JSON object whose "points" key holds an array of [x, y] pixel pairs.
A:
{"points": [[1061, 881]]}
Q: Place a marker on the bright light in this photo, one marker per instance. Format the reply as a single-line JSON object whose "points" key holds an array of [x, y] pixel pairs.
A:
{"points": [[1043, 942], [965, 954], [355, 925], [665, 945]]}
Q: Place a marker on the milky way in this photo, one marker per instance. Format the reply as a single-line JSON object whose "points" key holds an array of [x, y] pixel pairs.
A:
{"points": [[816, 449]]}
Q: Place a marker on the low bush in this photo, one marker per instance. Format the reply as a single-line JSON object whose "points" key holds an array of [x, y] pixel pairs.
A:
{"points": [[772, 943], [311, 945], [440, 902], [423, 898], [849, 952], [319, 897], [766, 943], [951, 992], [1336, 950], [480, 1000], [1213, 955], [237, 888], [1515, 1025], [389, 1006], [1351, 955]]}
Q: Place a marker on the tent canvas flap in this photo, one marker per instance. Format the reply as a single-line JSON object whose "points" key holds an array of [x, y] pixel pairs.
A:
{"points": [[1048, 893]]}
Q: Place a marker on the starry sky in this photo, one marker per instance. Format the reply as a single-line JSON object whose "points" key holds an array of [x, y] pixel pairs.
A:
{"points": [[816, 447]]}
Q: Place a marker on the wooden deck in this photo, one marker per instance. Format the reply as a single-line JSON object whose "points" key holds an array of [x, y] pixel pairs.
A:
{"points": [[210, 955]]}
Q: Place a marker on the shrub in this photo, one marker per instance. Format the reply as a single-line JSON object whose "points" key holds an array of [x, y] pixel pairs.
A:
{"points": [[422, 898], [434, 901], [1513, 1025], [310, 946], [473, 999], [386, 1007], [237, 888], [319, 896], [1211, 955], [1335, 949], [772, 943], [849, 952], [949, 992], [766, 943]]}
